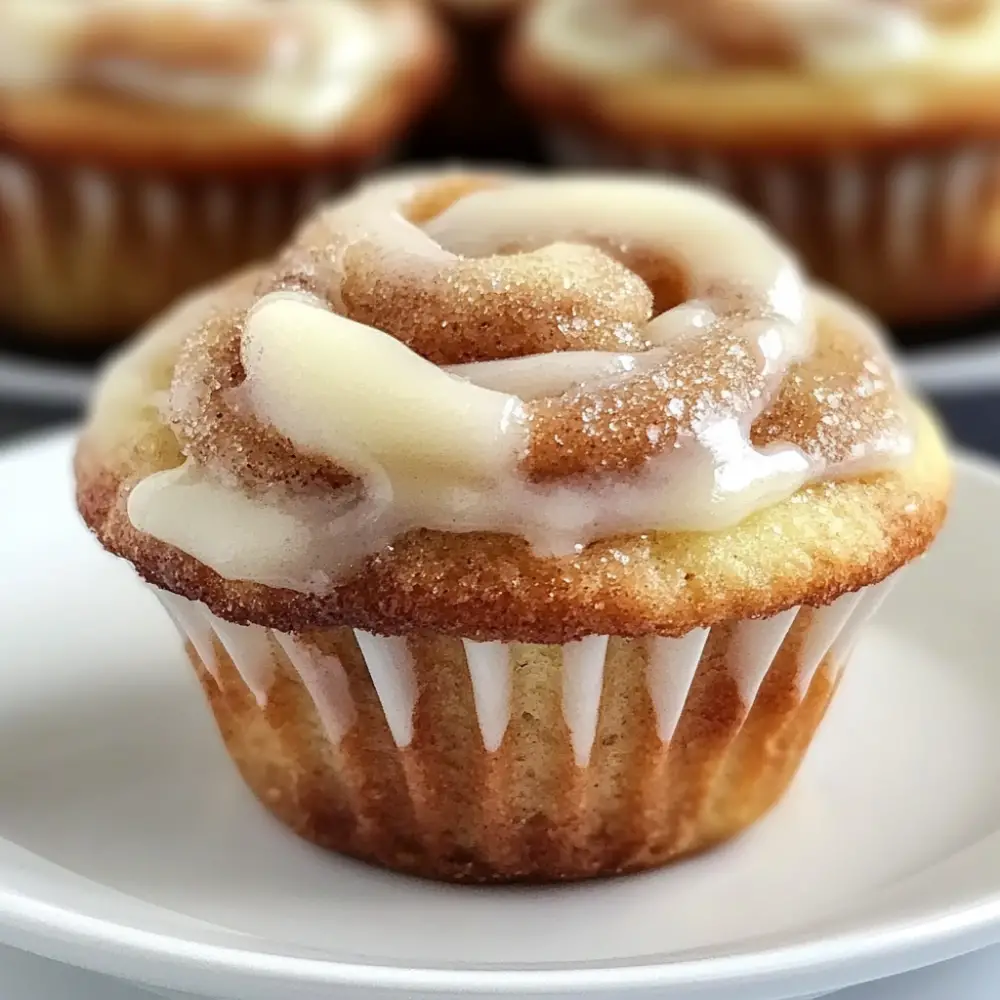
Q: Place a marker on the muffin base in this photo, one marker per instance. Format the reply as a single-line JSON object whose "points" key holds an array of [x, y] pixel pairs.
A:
{"points": [[493, 762], [913, 232]]}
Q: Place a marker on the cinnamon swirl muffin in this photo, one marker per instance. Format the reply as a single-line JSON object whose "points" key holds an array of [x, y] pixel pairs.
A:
{"points": [[518, 528], [864, 130], [151, 145]]}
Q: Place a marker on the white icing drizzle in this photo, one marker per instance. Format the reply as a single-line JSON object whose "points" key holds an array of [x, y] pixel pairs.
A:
{"points": [[193, 621], [325, 679], [249, 647], [754, 647], [192, 510], [323, 56], [583, 682], [441, 447], [717, 246], [836, 37], [671, 666], [390, 667], [827, 623], [490, 673]]}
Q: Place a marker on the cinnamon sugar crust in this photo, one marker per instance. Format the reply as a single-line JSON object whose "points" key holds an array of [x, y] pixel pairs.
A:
{"points": [[826, 540], [515, 304], [830, 537]]}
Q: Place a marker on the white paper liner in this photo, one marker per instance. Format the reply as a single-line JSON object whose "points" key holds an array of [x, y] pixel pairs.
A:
{"points": [[672, 665], [67, 228], [490, 672], [898, 215]]}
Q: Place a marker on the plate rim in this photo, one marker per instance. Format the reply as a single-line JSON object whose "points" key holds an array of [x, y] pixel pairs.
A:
{"points": [[948, 929]]}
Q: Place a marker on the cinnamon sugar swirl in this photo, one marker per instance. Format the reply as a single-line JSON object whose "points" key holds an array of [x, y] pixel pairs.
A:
{"points": [[863, 130], [518, 528], [149, 146]]}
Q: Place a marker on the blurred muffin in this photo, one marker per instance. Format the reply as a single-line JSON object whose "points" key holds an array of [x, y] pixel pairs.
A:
{"points": [[518, 528], [864, 130], [477, 118], [148, 146]]}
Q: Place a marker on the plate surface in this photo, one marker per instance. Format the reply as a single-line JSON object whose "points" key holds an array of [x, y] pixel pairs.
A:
{"points": [[129, 846]]}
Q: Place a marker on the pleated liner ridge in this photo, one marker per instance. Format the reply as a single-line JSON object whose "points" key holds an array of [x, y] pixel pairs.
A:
{"points": [[105, 250], [492, 762]]}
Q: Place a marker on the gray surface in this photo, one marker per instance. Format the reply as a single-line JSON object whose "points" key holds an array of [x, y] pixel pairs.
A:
{"points": [[25, 977], [976, 977]]}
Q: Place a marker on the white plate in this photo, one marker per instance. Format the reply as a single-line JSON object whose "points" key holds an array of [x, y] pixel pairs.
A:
{"points": [[129, 846]]}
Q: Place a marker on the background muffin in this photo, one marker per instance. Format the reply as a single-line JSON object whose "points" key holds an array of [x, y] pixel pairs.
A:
{"points": [[504, 557], [865, 132], [147, 147]]}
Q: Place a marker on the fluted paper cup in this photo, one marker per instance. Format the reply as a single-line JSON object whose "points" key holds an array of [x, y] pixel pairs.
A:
{"points": [[87, 254], [494, 762]]}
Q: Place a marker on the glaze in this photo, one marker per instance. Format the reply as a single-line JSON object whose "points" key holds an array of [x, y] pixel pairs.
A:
{"points": [[836, 37], [304, 64], [561, 446]]}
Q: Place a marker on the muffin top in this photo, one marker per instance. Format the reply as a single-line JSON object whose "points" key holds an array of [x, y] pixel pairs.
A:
{"points": [[789, 75], [300, 68], [806, 36], [507, 406]]}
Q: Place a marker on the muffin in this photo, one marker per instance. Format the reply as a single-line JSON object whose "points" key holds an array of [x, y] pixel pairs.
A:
{"points": [[148, 147], [518, 528], [863, 130], [477, 119]]}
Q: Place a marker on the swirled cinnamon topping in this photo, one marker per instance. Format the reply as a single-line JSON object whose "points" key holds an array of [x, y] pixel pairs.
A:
{"points": [[815, 35], [296, 62], [562, 360]]}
